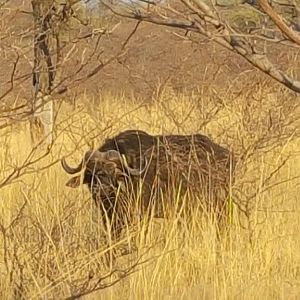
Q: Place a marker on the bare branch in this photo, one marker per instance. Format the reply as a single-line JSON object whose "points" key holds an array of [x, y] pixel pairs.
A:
{"points": [[219, 33], [290, 33]]}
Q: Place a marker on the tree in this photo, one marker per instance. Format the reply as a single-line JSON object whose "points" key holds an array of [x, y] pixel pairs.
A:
{"points": [[60, 39], [196, 16], [48, 17]]}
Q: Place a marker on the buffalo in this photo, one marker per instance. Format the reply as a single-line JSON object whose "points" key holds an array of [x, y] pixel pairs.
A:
{"points": [[135, 172]]}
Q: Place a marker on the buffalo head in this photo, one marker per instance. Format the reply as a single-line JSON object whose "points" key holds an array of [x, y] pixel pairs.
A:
{"points": [[103, 172]]}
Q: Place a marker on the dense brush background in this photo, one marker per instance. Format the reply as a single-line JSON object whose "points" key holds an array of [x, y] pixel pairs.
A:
{"points": [[51, 238]]}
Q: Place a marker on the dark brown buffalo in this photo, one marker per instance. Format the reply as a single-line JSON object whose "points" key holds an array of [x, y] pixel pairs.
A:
{"points": [[135, 171]]}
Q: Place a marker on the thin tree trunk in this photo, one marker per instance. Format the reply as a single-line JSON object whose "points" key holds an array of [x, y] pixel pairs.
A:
{"points": [[46, 60]]}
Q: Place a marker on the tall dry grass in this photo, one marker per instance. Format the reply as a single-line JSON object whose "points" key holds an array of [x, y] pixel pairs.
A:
{"points": [[52, 244]]}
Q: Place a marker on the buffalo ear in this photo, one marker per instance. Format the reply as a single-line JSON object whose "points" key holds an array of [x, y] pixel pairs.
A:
{"points": [[74, 182]]}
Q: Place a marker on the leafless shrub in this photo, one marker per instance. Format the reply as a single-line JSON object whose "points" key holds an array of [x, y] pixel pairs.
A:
{"points": [[206, 20]]}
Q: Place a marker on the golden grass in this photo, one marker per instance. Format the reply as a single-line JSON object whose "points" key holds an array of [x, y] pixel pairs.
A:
{"points": [[55, 245]]}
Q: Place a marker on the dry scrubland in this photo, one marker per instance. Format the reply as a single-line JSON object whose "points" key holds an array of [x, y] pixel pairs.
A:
{"points": [[51, 240]]}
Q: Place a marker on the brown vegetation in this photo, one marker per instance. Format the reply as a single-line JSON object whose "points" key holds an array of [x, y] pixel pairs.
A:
{"points": [[54, 237], [162, 81]]}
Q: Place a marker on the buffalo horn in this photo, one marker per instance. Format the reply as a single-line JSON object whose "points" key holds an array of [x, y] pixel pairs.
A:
{"points": [[73, 170], [113, 154]]}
